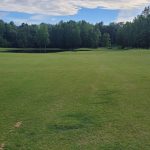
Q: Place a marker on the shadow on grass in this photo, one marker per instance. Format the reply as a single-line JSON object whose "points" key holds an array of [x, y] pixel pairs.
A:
{"points": [[56, 50], [33, 51], [48, 50]]}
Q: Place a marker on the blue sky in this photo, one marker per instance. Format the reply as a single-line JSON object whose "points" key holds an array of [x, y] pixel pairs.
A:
{"points": [[52, 11], [90, 15]]}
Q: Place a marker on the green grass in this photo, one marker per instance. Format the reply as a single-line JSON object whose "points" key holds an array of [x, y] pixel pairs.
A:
{"points": [[87, 100]]}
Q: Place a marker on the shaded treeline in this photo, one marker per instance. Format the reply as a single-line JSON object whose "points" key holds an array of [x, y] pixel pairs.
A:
{"points": [[73, 34]]}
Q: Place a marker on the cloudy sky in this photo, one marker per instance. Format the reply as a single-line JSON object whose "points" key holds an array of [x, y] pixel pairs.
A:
{"points": [[52, 11]]}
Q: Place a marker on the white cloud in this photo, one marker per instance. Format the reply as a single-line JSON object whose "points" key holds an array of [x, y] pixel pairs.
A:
{"points": [[71, 7], [128, 14]]}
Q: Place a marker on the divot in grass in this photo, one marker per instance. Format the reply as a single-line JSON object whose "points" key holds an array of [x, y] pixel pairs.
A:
{"points": [[18, 124], [2, 146]]}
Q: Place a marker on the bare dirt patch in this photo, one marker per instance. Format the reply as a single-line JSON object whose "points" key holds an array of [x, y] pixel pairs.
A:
{"points": [[18, 124], [2, 146]]}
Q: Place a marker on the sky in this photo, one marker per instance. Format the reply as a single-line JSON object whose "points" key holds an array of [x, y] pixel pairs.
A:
{"points": [[53, 11]]}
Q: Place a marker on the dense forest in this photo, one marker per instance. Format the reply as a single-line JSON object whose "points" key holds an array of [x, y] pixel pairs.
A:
{"points": [[71, 34]]}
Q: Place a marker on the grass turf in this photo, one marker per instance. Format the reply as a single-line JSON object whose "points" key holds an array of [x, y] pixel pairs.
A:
{"points": [[75, 100]]}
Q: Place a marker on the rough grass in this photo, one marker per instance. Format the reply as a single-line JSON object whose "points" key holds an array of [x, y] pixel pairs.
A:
{"points": [[75, 101]]}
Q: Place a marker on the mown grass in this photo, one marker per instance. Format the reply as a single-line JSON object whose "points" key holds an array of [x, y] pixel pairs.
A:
{"points": [[75, 101]]}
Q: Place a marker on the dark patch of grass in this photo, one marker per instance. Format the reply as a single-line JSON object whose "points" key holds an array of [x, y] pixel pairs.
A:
{"points": [[105, 97], [63, 127], [72, 122], [84, 119]]}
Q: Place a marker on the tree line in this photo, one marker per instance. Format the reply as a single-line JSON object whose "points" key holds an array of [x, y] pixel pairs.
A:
{"points": [[71, 34]]}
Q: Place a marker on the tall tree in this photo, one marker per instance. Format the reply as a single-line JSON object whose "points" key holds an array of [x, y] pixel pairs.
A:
{"points": [[85, 29], [72, 35], [106, 41], [94, 36], [43, 36]]}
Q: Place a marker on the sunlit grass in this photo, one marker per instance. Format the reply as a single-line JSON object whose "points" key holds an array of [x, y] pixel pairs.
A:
{"points": [[73, 101]]}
